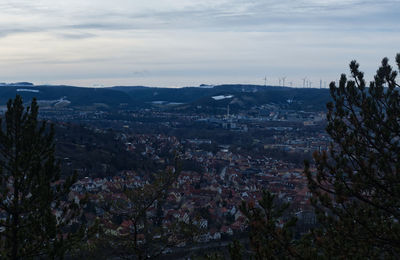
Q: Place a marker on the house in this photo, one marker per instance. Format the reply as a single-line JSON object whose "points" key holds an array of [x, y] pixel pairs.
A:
{"points": [[226, 230]]}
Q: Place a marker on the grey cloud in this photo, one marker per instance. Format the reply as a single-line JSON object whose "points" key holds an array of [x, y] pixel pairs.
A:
{"points": [[141, 73], [76, 35], [5, 31], [97, 26], [260, 16], [233, 15]]}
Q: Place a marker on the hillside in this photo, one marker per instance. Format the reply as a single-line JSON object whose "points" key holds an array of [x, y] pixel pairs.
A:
{"points": [[243, 97], [239, 97], [74, 96]]}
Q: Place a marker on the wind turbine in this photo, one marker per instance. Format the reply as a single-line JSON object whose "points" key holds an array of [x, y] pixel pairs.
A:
{"points": [[283, 80], [304, 82], [265, 81]]}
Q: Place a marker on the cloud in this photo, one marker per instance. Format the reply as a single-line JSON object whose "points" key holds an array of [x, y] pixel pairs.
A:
{"points": [[205, 15], [76, 35], [66, 17]]}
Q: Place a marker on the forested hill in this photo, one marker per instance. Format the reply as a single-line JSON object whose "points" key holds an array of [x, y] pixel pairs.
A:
{"points": [[187, 98], [73, 96]]}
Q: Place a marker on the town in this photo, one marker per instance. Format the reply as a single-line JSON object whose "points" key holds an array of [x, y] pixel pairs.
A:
{"points": [[225, 160], [221, 156]]}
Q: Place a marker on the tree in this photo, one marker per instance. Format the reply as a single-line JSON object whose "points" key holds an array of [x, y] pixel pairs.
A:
{"points": [[36, 216], [269, 239], [356, 186], [145, 234]]}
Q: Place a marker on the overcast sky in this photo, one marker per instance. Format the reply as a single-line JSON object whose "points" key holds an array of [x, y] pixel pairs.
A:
{"points": [[190, 42]]}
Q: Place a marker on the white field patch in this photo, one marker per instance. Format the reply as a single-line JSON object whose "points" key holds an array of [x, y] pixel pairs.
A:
{"points": [[222, 97], [27, 90]]}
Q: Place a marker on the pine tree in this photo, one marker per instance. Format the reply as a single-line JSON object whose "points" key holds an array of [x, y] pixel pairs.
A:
{"points": [[356, 187], [269, 239], [147, 236], [36, 216]]}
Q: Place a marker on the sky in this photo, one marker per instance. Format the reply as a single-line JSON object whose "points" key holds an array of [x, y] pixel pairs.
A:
{"points": [[176, 43]]}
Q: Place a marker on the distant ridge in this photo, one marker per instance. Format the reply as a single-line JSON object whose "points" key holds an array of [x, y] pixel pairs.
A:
{"points": [[17, 84], [244, 96], [78, 96]]}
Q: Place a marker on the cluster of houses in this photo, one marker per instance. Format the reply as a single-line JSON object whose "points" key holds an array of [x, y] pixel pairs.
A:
{"points": [[208, 198]]}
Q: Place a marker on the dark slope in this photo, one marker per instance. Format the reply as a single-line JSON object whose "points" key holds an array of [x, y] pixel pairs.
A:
{"points": [[181, 95], [76, 95], [193, 98], [245, 96]]}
